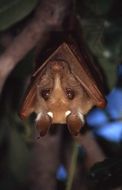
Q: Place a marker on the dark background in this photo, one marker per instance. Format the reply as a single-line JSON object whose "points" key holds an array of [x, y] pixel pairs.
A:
{"points": [[27, 162]]}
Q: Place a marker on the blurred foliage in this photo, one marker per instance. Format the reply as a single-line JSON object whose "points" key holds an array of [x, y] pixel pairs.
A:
{"points": [[101, 23], [102, 30], [103, 174], [13, 11]]}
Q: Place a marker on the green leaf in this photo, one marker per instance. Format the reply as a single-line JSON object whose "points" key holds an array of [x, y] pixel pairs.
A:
{"points": [[13, 11]]}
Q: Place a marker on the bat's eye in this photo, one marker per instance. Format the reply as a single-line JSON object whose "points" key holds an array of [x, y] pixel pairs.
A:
{"points": [[70, 93], [45, 93]]}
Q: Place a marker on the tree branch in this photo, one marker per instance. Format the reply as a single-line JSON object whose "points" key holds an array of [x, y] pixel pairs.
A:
{"points": [[44, 162], [48, 16], [93, 151]]}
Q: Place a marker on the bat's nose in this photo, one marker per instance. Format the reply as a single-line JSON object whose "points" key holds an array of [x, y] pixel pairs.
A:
{"points": [[56, 66], [58, 109]]}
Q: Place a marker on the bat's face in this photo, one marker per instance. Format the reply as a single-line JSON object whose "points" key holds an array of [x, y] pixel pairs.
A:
{"points": [[60, 95]]}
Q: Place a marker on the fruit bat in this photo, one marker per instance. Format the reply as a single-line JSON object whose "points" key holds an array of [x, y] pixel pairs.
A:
{"points": [[64, 88]]}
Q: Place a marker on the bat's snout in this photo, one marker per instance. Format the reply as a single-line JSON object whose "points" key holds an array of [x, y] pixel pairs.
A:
{"points": [[74, 120]]}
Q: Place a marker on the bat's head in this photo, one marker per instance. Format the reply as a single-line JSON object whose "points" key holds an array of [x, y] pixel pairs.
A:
{"points": [[60, 94]]}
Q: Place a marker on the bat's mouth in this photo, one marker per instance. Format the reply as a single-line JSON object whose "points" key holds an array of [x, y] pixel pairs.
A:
{"points": [[74, 121]]}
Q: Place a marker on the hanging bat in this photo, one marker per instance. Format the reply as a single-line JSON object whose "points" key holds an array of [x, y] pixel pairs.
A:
{"points": [[63, 89]]}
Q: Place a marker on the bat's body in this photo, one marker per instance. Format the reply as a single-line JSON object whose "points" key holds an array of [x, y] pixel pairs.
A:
{"points": [[63, 90]]}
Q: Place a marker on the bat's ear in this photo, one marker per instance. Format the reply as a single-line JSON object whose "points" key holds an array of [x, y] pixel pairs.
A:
{"points": [[28, 103]]}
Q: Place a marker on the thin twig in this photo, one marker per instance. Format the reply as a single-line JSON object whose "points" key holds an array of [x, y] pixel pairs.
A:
{"points": [[72, 167]]}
